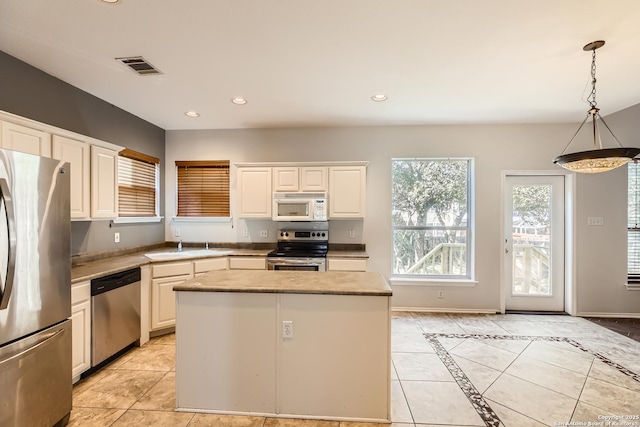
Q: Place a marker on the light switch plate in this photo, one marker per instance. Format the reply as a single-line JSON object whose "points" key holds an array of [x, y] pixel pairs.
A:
{"points": [[595, 220]]}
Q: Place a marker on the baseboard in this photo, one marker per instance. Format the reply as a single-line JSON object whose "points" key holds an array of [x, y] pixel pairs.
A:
{"points": [[611, 315], [448, 310]]}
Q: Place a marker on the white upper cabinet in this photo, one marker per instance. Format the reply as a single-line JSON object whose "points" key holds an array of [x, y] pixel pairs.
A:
{"points": [[285, 179], [77, 154], [104, 182], [293, 178], [254, 192], [347, 186], [314, 179], [24, 139]]}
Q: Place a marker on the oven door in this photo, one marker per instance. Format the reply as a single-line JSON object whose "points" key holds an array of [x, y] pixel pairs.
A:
{"points": [[297, 264]]}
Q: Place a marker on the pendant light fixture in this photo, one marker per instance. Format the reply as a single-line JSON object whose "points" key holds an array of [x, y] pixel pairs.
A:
{"points": [[599, 159]]}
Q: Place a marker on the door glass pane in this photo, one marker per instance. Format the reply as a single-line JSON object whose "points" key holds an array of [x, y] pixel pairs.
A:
{"points": [[531, 239]]}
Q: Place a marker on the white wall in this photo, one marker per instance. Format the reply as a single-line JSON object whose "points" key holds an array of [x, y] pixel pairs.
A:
{"points": [[494, 147]]}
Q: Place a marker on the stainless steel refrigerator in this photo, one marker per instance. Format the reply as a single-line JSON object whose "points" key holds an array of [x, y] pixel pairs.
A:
{"points": [[35, 291]]}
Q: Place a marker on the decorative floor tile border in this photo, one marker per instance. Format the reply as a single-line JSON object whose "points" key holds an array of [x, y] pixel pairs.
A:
{"points": [[481, 406]]}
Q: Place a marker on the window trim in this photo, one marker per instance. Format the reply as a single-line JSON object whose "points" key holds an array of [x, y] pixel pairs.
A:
{"points": [[467, 280], [141, 157]]}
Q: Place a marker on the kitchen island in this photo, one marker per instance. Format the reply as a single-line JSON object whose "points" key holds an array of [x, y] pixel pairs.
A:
{"points": [[285, 343]]}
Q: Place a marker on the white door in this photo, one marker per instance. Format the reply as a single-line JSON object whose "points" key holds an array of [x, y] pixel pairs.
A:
{"points": [[534, 243]]}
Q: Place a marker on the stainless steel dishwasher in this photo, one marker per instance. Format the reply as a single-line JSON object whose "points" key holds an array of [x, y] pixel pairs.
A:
{"points": [[115, 314]]}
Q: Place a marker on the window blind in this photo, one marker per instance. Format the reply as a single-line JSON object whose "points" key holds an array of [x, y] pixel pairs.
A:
{"points": [[137, 184], [633, 222], [203, 188]]}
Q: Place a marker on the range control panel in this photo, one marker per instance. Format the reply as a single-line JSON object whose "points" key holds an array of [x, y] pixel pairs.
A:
{"points": [[307, 235]]}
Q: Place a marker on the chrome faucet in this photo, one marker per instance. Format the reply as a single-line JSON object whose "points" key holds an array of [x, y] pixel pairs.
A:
{"points": [[180, 246], [206, 245]]}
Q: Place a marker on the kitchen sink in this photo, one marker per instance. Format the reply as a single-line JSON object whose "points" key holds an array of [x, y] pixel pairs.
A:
{"points": [[196, 253]]}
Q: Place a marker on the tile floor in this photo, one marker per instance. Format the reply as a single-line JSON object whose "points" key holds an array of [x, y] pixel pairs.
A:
{"points": [[448, 370]]}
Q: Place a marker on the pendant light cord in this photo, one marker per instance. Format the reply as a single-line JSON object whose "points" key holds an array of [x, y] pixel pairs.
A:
{"points": [[594, 111]]}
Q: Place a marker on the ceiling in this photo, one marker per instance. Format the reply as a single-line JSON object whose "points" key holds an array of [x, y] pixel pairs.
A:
{"points": [[318, 62]]}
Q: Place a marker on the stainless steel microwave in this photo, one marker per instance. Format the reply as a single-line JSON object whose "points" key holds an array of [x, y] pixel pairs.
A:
{"points": [[299, 206]]}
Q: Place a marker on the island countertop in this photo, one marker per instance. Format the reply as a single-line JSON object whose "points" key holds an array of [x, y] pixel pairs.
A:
{"points": [[295, 282]]}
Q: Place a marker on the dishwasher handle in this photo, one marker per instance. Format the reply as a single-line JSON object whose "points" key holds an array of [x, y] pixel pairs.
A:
{"points": [[114, 281]]}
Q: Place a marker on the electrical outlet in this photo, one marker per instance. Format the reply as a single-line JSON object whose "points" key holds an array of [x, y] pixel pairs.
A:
{"points": [[116, 238], [245, 233], [595, 220], [352, 233], [287, 329], [177, 232], [264, 233], [440, 294]]}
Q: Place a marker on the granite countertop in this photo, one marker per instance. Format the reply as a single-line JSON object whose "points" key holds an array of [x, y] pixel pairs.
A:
{"points": [[102, 267], [295, 282]]}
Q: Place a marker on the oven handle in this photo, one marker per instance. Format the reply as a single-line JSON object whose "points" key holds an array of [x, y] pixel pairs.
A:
{"points": [[290, 261]]}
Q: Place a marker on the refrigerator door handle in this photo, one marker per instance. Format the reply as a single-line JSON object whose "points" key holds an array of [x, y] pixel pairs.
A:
{"points": [[5, 292], [42, 343]]}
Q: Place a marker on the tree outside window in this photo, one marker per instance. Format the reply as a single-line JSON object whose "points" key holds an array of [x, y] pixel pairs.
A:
{"points": [[431, 221]]}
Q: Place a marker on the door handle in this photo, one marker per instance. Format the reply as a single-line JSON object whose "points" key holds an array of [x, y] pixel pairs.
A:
{"points": [[5, 292]]}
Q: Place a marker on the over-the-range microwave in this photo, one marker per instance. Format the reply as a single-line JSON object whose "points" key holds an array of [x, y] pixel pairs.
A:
{"points": [[299, 206]]}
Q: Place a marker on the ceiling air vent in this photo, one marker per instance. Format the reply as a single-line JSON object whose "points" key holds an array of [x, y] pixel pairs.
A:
{"points": [[139, 65]]}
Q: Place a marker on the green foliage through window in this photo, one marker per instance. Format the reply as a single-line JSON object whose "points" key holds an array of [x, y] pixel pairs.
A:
{"points": [[430, 217]]}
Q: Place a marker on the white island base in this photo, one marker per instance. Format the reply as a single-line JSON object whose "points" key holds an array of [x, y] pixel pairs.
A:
{"points": [[232, 357]]}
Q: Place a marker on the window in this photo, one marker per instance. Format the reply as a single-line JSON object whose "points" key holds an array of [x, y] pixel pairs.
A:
{"points": [[431, 221], [203, 188], [633, 223], [137, 184]]}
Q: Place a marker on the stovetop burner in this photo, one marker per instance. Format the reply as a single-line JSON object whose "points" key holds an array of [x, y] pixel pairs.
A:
{"points": [[301, 244]]}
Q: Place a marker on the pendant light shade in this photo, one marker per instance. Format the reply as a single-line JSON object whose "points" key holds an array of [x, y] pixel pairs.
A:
{"points": [[594, 161], [599, 159]]}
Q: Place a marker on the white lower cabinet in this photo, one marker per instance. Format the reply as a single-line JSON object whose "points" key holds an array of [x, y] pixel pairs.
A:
{"points": [[346, 264], [247, 263], [81, 329], [163, 300], [201, 266]]}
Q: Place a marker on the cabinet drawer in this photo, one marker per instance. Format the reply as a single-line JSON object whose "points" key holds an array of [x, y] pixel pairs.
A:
{"points": [[172, 269], [249, 263], [203, 265], [346, 264], [80, 292]]}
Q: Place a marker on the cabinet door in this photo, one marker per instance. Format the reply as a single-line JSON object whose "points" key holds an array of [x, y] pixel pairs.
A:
{"points": [[104, 183], [163, 301], [346, 264], [285, 179], [347, 186], [248, 263], [26, 140], [77, 154], [201, 266], [81, 328], [254, 192], [314, 179]]}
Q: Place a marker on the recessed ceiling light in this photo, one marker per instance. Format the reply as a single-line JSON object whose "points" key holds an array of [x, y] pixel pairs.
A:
{"points": [[379, 97], [110, 1], [192, 114], [238, 100]]}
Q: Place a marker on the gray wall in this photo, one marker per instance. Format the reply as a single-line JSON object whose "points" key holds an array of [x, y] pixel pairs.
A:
{"points": [[29, 92], [599, 252]]}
